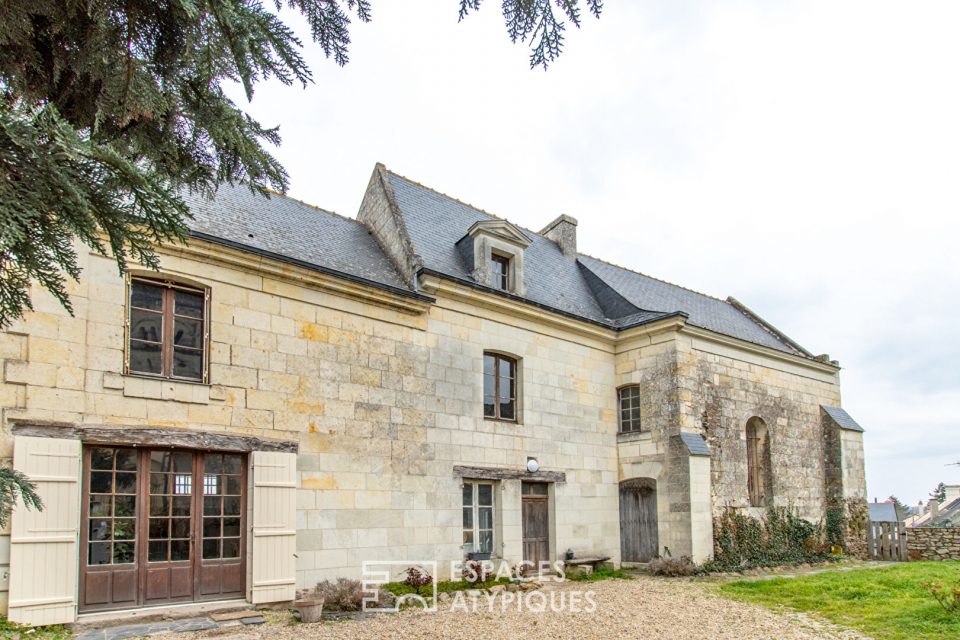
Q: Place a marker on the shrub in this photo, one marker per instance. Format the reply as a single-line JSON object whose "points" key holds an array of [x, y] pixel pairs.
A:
{"points": [[782, 537], [476, 572], [417, 578], [346, 595], [948, 597], [672, 567]]}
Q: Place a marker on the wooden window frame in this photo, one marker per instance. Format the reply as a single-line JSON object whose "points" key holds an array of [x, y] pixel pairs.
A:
{"points": [[504, 275], [475, 507], [628, 426], [759, 471], [169, 288], [515, 377]]}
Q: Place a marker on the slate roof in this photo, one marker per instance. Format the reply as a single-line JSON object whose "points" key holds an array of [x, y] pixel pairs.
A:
{"points": [[586, 288], [292, 229], [882, 511], [695, 444], [842, 418]]}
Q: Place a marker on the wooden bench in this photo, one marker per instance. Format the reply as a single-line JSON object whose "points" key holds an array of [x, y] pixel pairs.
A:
{"points": [[586, 565]]}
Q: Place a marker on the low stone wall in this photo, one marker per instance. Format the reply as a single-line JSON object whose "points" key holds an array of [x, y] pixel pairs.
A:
{"points": [[938, 543]]}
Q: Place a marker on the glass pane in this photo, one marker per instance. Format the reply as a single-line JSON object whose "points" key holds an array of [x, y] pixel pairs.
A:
{"points": [[146, 325], [160, 460], [181, 506], [123, 552], [159, 505], [99, 553], [211, 506], [489, 407], [231, 526], [182, 484], [157, 551], [233, 485], [468, 517], [159, 528], [126, 483], [179, 549], [213, 463], [485, 495], [146, 296], [99, 506], [489, 386], [99, 529], [211, 548], [211, 485], [485, 515], [188, 332], [123, 529], [507, 410], [180, 528], [467, 494], [188, 363], [183, 462], [188, 304], [468, 541], [506, 389], [144, 357], [232, 464], [486, 541], [231, 547], [489, 364], [126, 460], [506, 369], [535, 488], [159, 483], [211, 527], [231, 506], [101, 458], [101, 482]]}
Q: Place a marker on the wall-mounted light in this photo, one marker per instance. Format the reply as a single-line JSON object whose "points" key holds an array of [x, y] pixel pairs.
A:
{"points": [[532, 465]]}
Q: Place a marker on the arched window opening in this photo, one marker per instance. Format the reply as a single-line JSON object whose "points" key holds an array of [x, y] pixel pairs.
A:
{"points": [[759, 478]]}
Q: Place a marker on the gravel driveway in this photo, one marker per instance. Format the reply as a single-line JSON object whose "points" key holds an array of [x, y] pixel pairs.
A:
{"points": [[643, 607]]}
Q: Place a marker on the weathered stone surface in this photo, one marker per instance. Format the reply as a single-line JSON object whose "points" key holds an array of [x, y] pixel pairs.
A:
{"points": [[933, 543]]}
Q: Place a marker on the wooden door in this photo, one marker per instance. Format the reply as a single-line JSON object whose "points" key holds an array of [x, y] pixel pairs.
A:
{"points": [[536, 524], [161, 526], [638, 521]]}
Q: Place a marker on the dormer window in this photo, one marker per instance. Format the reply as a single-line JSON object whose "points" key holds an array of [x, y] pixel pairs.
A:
{"points": [[500, 272], [493, 252]]}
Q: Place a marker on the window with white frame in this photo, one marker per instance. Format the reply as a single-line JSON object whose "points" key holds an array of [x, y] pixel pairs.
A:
{"points": [[477, 517]]}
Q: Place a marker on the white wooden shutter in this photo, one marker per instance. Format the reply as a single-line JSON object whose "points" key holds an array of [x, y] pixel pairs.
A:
{"points": [[43, 544], [274, 526]]}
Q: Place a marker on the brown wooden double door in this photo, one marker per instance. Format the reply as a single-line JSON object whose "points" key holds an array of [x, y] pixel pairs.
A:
{"points": [[161, 526]]}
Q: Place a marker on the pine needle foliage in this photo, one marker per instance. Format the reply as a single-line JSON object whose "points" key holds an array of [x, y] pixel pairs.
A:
{"points": [[110, 109], [13, 485]]}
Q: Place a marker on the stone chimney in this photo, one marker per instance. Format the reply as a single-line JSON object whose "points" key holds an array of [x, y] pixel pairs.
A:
{"points": [[934, 508], [563, 231]]}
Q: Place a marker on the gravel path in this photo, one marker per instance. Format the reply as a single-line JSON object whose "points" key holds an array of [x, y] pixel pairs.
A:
{"points": [[643, 607]]}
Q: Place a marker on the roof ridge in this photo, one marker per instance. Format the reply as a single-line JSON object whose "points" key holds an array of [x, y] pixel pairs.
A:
{"points": [[308, 204], [646, 275]]}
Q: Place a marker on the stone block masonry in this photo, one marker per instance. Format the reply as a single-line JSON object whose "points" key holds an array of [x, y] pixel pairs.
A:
{"points": [[934, 543]]}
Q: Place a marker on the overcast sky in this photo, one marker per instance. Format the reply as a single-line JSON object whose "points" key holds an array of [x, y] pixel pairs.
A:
{"points": [[800, 156]]}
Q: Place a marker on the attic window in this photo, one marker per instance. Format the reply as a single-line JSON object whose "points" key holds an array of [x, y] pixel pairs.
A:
{"points": [[500, 272]]}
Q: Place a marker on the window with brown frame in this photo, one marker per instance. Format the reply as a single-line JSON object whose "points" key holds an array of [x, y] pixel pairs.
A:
{"points": [[759, 470], [167, 334], [500, 270], [499, 387], [630, 409]]}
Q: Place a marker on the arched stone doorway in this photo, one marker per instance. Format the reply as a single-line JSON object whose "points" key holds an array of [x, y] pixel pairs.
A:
{"points": [[638, 520]]}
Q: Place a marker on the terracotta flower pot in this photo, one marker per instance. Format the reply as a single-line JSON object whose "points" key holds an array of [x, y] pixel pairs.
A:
{"points": [[310, 610]]}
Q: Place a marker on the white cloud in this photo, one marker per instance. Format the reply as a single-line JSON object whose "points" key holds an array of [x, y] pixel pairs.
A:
{"points": [[801, 156]]}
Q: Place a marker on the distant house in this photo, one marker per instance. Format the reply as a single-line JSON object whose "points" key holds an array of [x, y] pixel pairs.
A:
{"points": [[937, 514]]}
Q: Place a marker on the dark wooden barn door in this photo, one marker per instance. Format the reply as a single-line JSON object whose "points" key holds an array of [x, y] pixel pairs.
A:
{"points": [[161, 526], [536, 524], [638, 521]]}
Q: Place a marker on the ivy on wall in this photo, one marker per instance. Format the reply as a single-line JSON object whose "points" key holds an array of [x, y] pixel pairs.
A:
{"points": [[780, 537]]}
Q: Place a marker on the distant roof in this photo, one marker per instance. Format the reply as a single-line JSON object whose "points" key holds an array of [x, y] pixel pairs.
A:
{"points": [[882, 511], [842, 418], [292, 229]]}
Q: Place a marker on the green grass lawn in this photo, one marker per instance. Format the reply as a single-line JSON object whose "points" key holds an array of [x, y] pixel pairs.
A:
{"points": [[12, 631], [886, 603]]}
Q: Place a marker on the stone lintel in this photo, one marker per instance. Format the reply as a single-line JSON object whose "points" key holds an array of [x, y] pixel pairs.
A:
{"points": [[500, 473], [151, 437]]}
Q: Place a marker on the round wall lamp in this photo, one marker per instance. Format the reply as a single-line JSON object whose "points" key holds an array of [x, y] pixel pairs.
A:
{"points": [[532, 465]]}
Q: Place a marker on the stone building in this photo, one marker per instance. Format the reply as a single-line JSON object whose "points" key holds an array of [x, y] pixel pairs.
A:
{"points": [[295, 393]]}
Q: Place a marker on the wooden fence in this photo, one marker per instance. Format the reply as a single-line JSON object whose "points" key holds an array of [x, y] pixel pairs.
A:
{"points": [[887, 541]]}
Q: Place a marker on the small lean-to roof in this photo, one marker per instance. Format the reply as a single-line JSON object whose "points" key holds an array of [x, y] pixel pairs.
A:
{"points": [[843, 419], [696, 445], [291, 229]]}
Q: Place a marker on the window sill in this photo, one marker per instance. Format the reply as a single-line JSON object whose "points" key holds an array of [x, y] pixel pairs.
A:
{"points": [[634, 436], [512, 423], [151, 388]]}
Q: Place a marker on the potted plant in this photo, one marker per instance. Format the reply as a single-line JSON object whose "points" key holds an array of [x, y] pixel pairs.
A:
{"points": [[310, 605]]}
